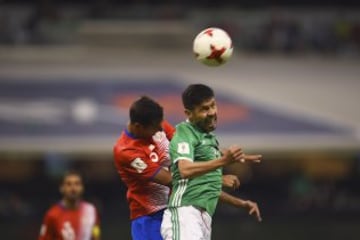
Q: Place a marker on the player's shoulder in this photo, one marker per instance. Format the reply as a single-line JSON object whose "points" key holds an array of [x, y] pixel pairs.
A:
{"points": [[129, 150], [89, 210], [185, 128], [122, 142], [54, 210], [126, 154], [185, 125], [87, 204], [126, 145]]}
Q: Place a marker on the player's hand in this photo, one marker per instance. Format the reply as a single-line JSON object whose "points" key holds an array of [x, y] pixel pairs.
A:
{"points": [[232, 155], [230, 181], [253, 209], [251, 158]]}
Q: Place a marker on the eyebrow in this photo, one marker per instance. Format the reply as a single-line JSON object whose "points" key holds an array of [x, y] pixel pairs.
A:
{"points": [[209, 104]]}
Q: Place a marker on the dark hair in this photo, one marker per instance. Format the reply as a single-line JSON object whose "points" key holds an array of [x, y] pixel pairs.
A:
{"points": [[71, 173], [146, 111], [195, 94]]}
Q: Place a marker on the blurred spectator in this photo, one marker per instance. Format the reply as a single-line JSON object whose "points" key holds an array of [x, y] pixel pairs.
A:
{"points": [[71, 217], [274, 30], [42, 23]]}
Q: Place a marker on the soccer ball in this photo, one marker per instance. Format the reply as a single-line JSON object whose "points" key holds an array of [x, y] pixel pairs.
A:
{"points": [[213, 47]]}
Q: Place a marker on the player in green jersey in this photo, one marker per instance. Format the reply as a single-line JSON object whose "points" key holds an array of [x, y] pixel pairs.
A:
{"points": [[197, 170]]}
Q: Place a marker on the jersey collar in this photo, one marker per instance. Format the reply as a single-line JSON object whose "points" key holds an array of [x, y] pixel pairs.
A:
{"points": [[129, 134]]}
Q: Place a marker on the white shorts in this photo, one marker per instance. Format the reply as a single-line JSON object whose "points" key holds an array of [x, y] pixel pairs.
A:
{"points": [[186, 223]]}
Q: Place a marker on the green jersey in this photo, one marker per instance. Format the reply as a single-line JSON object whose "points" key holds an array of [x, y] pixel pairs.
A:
{"points": [[190, 143]]}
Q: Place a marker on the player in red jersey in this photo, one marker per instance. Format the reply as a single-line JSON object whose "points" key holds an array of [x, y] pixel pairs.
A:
{"points": [[142, 161], [71, 218]]}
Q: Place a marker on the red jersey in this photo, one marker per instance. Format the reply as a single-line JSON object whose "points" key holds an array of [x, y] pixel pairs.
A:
{"points": [[61, 223], [137, 162]]}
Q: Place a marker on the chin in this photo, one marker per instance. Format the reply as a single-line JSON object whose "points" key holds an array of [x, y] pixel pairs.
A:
{"points": [[74, 198], [211, 129]]}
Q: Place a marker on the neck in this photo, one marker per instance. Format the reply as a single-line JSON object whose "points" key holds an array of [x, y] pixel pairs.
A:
{"points": [[197, 126], [130, 129], [70, 203]]}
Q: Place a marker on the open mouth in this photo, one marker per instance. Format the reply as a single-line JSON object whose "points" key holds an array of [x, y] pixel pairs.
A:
{"points": [[211, 123]]}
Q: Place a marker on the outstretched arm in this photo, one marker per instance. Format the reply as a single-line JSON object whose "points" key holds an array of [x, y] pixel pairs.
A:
{"points": [[252, 158], [240, 203], [190, 169], [247, 157]]}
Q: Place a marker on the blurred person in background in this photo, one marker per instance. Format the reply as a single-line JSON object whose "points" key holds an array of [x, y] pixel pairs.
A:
{"points": [[71, 218], [196, 166], [142, 161]]}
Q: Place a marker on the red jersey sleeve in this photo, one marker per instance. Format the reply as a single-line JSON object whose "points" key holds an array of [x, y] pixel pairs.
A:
{"points": [[47, 228], [162, 140], [168, 129], [136, 163]]}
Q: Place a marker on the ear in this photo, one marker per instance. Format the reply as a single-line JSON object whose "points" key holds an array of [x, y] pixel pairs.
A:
{"points": [[188, 113], [138, 127], [61, 189]]}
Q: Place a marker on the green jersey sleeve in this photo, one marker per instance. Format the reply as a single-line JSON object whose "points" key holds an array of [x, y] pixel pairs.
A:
{"points": [[183, 143]]}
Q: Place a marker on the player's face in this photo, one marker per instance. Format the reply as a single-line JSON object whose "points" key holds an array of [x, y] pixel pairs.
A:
{"points": [[72, 187], [204, 115]]}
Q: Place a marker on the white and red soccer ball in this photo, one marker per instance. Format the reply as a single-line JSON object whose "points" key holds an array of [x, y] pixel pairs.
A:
{"points": [[213, 47]]}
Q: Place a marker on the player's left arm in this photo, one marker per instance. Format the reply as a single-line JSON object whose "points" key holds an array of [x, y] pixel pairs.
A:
{"points": [[251, 206], [163, 177]]}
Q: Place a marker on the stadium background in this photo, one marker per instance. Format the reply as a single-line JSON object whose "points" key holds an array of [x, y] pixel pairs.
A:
{"points": [[69, 69]]}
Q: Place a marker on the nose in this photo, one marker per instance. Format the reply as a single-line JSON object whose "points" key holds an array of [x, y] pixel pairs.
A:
{"points": [[211, 112]]}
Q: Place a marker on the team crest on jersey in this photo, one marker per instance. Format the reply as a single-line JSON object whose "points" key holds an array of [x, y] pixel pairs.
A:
{"points": [[183, 148], [139, 165]]}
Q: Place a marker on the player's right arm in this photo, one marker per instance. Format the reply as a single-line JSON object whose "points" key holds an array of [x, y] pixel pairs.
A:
{"points": [[47, 228], [182, 151], [191, 169]]}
